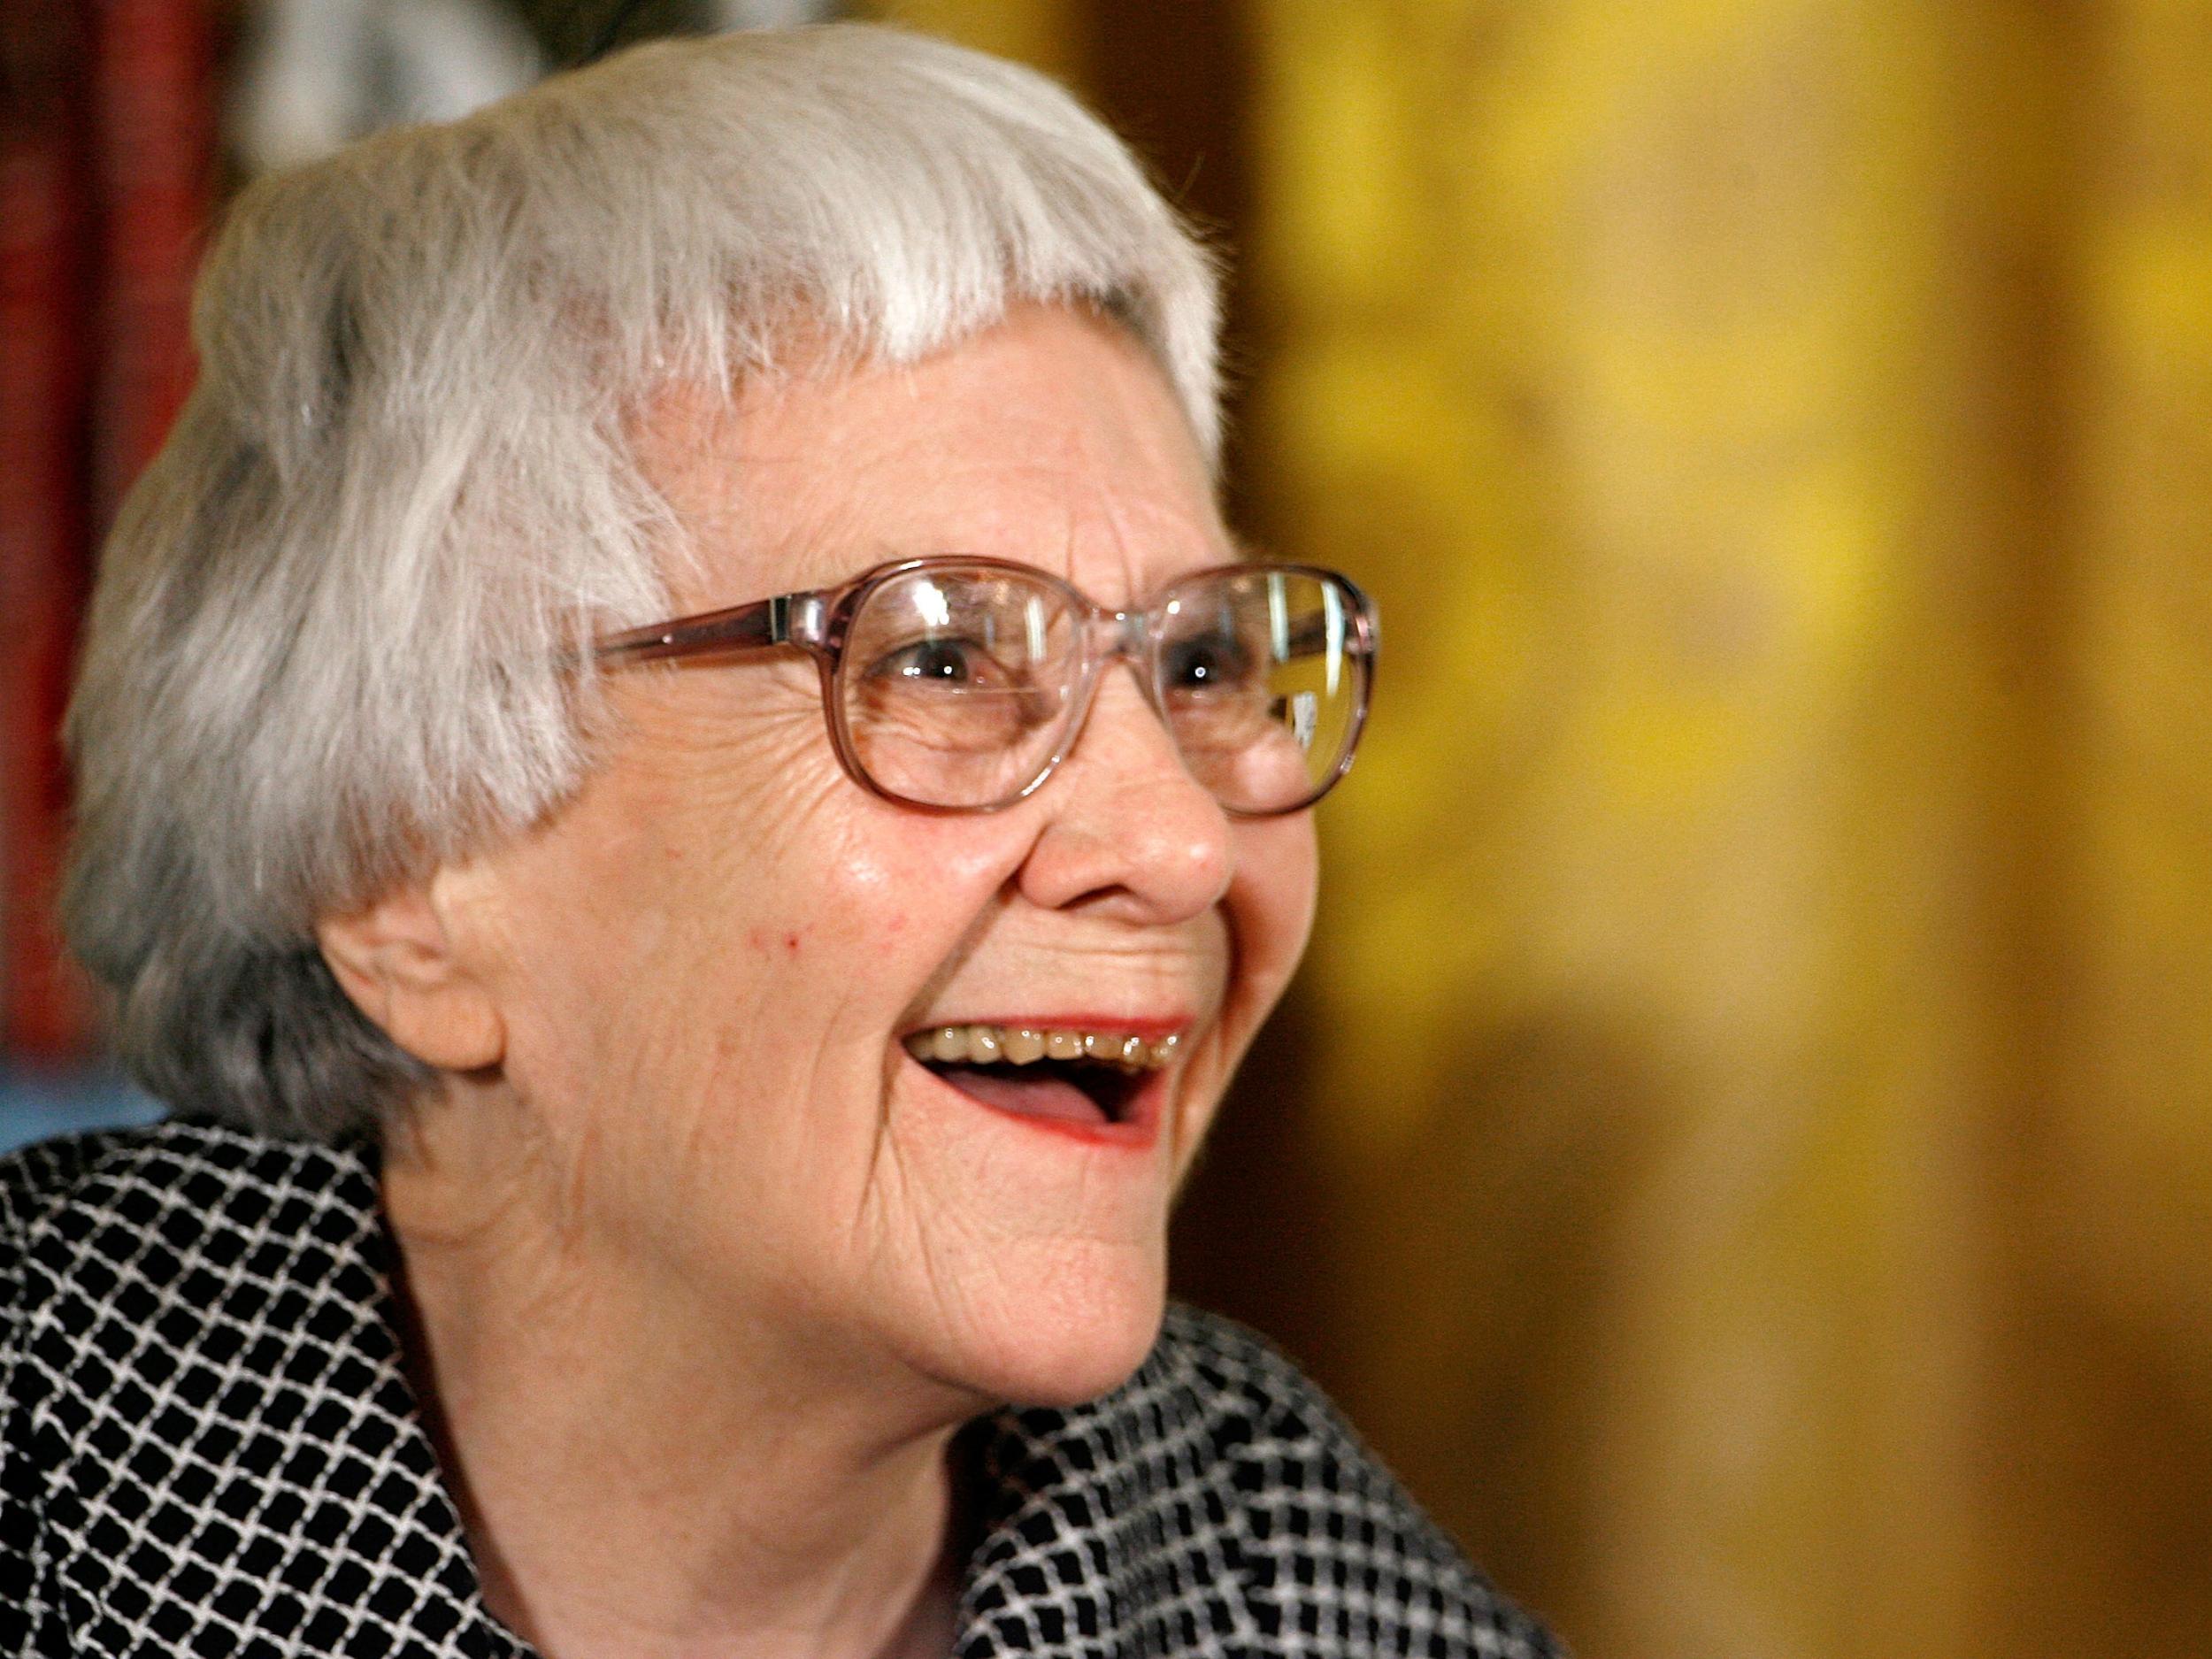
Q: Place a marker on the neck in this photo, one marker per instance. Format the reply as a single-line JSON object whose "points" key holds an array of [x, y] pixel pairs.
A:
{"points": [[643, 1474]]}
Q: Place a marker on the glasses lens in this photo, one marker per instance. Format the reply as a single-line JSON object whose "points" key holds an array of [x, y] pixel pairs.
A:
{"points": [[957, 685], [1263, 675]]}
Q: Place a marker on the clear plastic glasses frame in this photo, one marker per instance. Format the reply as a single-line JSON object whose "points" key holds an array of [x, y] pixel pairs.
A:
{"points": [[960, 684]]}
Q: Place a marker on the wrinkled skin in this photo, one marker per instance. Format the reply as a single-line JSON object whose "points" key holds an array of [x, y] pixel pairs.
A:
{"points": [[682, 1163]]}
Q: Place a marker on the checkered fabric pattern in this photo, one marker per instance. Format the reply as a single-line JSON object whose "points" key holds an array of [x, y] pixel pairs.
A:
{"points": [[210, 1447]]}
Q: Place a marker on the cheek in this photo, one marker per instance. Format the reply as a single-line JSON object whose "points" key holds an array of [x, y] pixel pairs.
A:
{"points": [[727, 867], [720, 901], [898, 894], [647, 928], [1270, 907], [801, 965], [1271, 900]]}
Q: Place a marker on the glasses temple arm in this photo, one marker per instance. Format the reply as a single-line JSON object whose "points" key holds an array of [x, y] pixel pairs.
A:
{"points": [[764, 623]]}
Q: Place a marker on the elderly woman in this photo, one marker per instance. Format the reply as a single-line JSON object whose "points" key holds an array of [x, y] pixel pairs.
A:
{"points": [[684, 792]]}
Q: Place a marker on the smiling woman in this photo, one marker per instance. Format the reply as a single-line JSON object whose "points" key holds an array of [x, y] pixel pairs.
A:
{"points": [[677, 1118]]}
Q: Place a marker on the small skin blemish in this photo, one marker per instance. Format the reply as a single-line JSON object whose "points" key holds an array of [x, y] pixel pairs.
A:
{"points": [[791, 944]]}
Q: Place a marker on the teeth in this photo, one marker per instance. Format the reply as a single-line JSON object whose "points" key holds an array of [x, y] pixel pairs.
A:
{"points": [[1024, 1045]]}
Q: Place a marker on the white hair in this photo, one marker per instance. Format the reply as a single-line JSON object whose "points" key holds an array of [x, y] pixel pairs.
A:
{"points": [[336, 632]]}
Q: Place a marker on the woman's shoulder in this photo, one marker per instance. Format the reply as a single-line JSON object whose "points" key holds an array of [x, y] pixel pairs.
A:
{"points": [[127, 1233], [111, 1241], [202, 1404], [1236, 1509], [189, 1181]]}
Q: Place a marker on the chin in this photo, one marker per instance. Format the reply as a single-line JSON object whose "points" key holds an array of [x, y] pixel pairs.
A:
{"points": [[1063, 1333]]}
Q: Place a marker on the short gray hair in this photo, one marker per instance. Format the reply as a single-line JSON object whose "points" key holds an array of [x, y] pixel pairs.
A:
{"points": [[335, 637]]}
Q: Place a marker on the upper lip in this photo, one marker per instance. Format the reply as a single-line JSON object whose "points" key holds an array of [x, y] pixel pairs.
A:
{"points": [[1150, 1027]]}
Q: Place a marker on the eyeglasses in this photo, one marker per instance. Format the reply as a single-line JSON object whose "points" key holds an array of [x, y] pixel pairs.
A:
{"points": [[959, 683]]}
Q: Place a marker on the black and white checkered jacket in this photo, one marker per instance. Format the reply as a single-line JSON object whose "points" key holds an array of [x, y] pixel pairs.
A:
{"points": [[210, 1447]]}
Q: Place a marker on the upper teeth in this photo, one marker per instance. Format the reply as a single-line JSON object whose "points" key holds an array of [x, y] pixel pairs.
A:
{"points": [[953, 1045]]}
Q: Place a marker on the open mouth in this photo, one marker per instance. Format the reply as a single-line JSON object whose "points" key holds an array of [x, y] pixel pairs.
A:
{"points": [[1076, 1075]]}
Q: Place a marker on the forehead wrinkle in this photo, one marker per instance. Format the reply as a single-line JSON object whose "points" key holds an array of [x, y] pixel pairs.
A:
{"points": [[1204, 542], [1072, 528], [816, 535], [1086, 528], [783, 488], [760, 517]]}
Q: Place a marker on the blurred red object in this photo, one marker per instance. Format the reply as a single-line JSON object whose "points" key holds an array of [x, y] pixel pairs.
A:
{"points": [[106, 165]]}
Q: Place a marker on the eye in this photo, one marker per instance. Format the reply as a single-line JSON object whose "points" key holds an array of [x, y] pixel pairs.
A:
{"points": [[953, 664], [1205, 661]]}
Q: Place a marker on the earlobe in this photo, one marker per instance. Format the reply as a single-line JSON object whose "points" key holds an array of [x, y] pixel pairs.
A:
{"points": [[395, 957]]}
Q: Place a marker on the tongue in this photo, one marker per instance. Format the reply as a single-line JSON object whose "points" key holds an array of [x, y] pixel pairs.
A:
{"points": [[1032, 1095]]}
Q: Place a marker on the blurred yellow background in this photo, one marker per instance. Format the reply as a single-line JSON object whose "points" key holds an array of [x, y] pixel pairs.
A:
{"points": [[1750, 1127], [1742, 1144]]}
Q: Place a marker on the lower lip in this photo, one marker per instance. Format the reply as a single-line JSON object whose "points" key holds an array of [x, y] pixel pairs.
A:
{"points": [[1137, 1132]]}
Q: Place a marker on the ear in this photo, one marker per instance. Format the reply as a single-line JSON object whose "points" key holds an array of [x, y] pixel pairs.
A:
{"points": [[395, 957]]}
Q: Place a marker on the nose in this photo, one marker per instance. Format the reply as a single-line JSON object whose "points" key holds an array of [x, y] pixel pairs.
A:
{"points": [[1128, 831]]}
